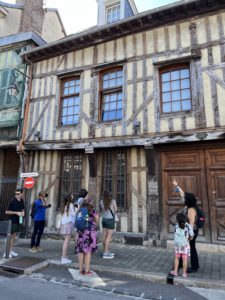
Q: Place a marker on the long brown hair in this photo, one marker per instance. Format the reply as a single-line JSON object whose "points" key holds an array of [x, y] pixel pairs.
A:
{"points": [[107, 199], [66, 205]]}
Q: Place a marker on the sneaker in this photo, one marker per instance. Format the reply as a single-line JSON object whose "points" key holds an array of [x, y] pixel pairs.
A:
{"points": [[173, 273], [39, 249], [14, 254], [10, 255], [89, 273], [108, 255], [33, 250], [65, 261], [184, 275]]}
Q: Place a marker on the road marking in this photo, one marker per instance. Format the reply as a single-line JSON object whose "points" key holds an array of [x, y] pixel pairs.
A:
{"points": [[94, 279]]}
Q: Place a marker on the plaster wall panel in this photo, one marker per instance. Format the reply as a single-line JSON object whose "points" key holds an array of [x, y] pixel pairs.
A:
{"points": [[214, 28], [201, 31], [185, 35], [177, 124], [164, 125], [208, 101], [119, 50], [88, 56], [161, 40], [150, 42], [109, 51], [139, 44], [100, 53], [172, 37]]}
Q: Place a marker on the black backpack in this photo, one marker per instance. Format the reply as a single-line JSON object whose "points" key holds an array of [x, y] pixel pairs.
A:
{"points": [[200, 218], [32, 212]]}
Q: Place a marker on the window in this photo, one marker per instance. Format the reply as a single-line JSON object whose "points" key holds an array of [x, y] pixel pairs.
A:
{"points": [[70, 101], [71, 180], [175, 89], [111, 95], [115, 174], [113, 14]]}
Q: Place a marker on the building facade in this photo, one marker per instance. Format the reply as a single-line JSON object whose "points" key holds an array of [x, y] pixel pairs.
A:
{"points": [[129, 106], [20, 29]]}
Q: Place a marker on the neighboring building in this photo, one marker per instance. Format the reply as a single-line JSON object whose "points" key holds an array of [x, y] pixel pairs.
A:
{"points": [[111, 11], [23, 26], [129, 106]]}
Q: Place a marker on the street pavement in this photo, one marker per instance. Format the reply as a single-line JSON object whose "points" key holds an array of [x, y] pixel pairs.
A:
{"points": [[143, 262]]}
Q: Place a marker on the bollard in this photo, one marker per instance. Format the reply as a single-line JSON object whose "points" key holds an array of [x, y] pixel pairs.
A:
{"points": [[8, 237]]}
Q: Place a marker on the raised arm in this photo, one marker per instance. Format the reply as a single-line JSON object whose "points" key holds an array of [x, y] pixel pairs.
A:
{"points": [[179, 189]]}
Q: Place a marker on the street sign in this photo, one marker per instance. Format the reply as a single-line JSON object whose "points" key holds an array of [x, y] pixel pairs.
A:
{"points": [[29, 183], [34, 174]]}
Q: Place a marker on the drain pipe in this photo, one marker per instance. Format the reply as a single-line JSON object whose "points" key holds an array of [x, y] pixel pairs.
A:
{"points": [[20, 148]]}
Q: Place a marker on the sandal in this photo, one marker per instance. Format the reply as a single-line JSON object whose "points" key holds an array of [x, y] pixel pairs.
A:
{"points": [[173, 273], [89, 273], [184, 275]]}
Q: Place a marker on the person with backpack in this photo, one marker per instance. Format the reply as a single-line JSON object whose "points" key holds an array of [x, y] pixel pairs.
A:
{"points": [[183, 233], [67, 225], [83, 193], [86, 222], [190, 211], [39, 208], [109, 208]]}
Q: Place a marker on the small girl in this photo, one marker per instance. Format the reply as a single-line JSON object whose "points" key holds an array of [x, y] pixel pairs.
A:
{"points": [[183, 233], [67, 226]]}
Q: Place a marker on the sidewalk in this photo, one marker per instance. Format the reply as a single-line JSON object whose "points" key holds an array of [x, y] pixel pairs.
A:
{"points": [[149, 263]]}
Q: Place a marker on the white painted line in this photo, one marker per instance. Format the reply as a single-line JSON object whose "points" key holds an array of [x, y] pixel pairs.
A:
{"points": [[94, 279]]}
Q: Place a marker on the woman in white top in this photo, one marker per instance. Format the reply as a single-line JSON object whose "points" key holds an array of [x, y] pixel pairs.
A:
{"points": [[67, 225], [109, 207]]}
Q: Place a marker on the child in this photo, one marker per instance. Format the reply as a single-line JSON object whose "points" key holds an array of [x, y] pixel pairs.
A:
{"points": [[183, 233]]}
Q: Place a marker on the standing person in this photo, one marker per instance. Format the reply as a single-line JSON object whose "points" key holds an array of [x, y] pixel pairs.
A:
{"points": [[40, 207], [16, 211], [81, 196], [67, 226], [183, 233], [109, 207], [87, 238], [190, 211]]}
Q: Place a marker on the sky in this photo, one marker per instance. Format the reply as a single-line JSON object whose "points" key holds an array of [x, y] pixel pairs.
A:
{"points": [[82, 14]]}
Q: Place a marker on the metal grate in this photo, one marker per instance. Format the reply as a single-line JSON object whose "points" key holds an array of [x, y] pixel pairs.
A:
{"points": [[72, 165], [115, 174]]}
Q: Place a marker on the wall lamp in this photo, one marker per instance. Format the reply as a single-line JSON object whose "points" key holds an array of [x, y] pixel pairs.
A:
{"points": [[13, 89]]}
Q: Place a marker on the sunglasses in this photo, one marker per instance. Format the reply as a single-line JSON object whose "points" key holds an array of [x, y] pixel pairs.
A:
{"points": [[18, 194]]}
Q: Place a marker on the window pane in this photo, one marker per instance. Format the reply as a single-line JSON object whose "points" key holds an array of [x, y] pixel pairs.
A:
{"points": [[112, 82], [112, 105], [176, 106], [186, 104], [64, 112], [119, 104], [174, 75], [112, 115], [76, 119], [166, 97], [166, 107], [166, 87], [185, 83], [185, 94], [105, 84], [119, 114], [175, 85], [70, 101], [176, 95], [165, 77], [185, 73], [71, 90]]}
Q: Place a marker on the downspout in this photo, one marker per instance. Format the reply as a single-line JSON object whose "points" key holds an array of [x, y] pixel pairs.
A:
{"points": [[20, 147]]}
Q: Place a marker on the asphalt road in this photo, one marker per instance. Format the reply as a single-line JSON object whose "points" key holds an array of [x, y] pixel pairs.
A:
{"points": [[55, 282]]}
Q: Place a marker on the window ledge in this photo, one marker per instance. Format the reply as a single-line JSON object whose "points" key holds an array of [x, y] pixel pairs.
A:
{"points": [[177, 114]]}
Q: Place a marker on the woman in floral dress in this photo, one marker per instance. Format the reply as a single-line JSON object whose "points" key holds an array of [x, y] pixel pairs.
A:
{"points": [[87, 239]]}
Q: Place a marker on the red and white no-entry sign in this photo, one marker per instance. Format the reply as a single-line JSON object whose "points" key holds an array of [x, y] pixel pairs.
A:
{"points": [[29, 183]]}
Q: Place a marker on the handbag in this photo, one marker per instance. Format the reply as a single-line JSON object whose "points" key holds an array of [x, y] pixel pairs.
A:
{"points": [[115, 216]]}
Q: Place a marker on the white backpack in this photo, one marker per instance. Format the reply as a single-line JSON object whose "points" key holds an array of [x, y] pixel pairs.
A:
{"points": [[180, 239]]}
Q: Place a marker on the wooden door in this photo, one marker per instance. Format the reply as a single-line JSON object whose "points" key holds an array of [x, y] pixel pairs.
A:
{"points": [[215, 163], [188, 168]]}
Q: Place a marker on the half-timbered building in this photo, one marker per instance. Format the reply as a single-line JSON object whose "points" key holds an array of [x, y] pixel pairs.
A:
{"points": [[127, 107]]}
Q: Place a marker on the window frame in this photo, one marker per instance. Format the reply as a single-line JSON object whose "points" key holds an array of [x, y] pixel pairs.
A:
{"points": [[109, 91], [110, 8], [62, 81], [170, 68]]}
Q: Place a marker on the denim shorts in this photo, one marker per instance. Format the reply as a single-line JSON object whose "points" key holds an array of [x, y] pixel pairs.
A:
{"points": [[108, 223]]}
